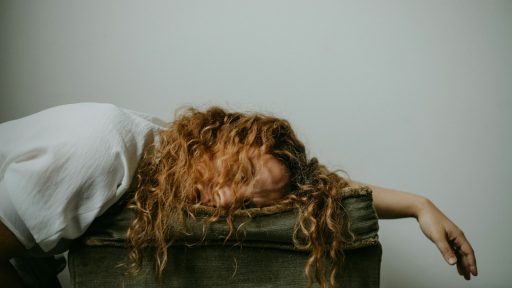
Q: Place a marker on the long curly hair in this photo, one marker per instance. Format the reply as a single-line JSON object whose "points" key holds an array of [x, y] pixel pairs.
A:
{"points": [[168, 174]]}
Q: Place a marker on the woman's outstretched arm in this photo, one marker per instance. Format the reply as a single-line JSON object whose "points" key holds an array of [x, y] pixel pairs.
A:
{"points": [[450, 240]]}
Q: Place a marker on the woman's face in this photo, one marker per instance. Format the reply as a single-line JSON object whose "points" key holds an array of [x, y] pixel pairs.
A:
{"points": [[270, 184]]}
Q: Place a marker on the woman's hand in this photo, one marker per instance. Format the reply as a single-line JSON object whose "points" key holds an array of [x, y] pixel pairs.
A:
{"points": [[450, 240]]}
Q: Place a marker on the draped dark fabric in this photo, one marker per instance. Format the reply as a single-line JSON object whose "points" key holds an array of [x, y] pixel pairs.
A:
{"points": [[261, 254]]}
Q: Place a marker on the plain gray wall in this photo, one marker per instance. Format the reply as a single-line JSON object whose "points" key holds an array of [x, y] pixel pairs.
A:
{"points": [[412, 95]]}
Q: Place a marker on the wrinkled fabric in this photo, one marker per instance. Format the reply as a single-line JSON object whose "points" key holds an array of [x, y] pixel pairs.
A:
{"points": [[260, 254], [64, 166]]}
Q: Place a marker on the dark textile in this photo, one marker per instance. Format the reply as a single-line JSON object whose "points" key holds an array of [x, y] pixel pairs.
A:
{"points": [[39, 272], [261, 255]]}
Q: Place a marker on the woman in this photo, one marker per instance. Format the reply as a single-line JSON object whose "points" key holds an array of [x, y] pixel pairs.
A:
{"points": [[227, 160]]}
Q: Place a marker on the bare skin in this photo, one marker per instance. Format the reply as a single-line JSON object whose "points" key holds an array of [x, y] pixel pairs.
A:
{"points": [[389, 204], [271, 184], [10, 247], [449, 239]]}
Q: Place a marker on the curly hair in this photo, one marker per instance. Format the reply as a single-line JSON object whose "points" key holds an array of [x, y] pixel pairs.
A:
{"points": [[168, 174]]}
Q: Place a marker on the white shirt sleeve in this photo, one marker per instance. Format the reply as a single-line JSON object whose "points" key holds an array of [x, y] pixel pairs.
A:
{"points": [[63, 167]]}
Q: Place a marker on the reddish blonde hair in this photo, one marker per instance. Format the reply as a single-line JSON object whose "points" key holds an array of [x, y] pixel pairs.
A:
{"points": [[168, 175]]}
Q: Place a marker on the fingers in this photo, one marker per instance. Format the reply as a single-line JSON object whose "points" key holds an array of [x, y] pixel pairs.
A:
{"points": [[466, 253], [458, 251], [449, 239], [446, 250], [462, 266], [460, 269]]}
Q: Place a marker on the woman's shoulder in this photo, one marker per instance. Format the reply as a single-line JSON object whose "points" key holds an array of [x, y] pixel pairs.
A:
{"points": [[86, 113], [66, 116], [99, 126], [94, 119]]}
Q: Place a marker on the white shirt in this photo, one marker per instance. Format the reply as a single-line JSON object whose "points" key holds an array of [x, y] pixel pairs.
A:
{"points": [[63, 167]]}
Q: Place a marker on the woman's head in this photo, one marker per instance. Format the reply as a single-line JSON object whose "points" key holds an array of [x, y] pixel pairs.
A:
{"points": [[232, 160], [268, 183], [206, 153]]}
